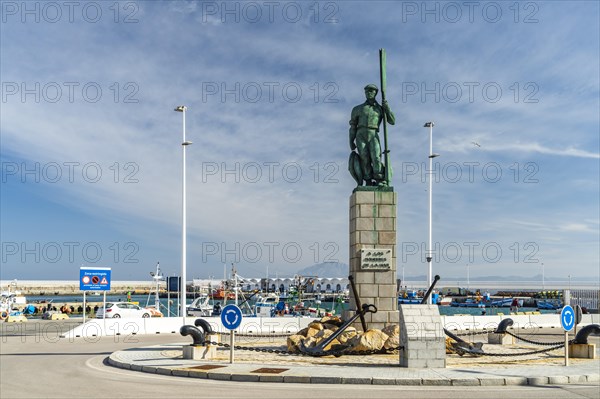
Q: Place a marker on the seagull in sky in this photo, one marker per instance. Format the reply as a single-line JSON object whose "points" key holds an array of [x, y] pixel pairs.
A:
{"points": [[475, 143]]}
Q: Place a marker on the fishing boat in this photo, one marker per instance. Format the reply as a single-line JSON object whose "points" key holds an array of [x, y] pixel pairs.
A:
{"points": [[11, 300], [157, 277], [410, 301], [200, 307], [501, 303], [222, 294], [550, 305], [469, 303]]}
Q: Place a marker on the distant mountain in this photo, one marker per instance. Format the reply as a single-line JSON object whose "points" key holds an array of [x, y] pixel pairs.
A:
{"points": [[338, 269], [326, 269]]}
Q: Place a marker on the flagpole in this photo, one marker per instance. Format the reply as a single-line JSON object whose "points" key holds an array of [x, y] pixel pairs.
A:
{"points": [[386, 152]]}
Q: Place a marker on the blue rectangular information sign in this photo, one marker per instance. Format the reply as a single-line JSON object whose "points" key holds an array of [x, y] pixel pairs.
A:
{"points": [[94, 278]]}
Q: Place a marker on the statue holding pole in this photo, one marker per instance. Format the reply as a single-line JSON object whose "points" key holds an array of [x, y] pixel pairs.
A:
{"points": [[365, 165]]}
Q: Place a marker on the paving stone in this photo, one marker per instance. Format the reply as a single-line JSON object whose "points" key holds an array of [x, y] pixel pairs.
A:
{"points": [[297, 379], [491, 381], [163, 371], [436, 381], [181, 373], [198, 374], [575, 379], [558, 380], [149, 369], [515, 381], [408, 381], [245, 377], [465, 381], [219, 376], [537, 380], [357, 380], [383, 381], [270, 378], [325, 380]]}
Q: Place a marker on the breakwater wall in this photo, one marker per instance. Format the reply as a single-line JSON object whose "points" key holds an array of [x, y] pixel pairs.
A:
{"points": [[71, 287]]}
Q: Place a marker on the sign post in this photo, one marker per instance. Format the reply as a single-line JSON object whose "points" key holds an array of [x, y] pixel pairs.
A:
{"points": [[94, 279], [567, 321], [231, 317]]}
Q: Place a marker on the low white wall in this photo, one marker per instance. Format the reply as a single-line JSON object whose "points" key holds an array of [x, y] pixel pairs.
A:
{"points": [[470, 323], [290, 325], [171, 325]]}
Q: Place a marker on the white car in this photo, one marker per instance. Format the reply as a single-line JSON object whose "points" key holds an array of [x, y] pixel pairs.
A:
{"points": [[122, 309]]}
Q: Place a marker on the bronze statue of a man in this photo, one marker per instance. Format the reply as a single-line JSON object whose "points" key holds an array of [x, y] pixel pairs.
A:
{"points": [[364, 137]]}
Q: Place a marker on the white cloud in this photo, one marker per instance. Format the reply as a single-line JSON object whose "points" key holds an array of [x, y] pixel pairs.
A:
{"points": [[169, 70]]}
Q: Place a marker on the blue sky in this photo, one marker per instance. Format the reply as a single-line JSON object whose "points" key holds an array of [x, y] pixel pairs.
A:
{"points": [[91, 154]]}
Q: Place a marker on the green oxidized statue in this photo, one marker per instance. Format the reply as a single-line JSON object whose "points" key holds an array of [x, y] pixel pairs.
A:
{"points": [[366, 166]]}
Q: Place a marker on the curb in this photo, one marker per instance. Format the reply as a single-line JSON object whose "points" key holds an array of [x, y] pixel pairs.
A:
{"points": [[306, 379]]}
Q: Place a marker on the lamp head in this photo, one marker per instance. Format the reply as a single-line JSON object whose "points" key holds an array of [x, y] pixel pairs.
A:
{"points": [[180, 108], [429, 124]]}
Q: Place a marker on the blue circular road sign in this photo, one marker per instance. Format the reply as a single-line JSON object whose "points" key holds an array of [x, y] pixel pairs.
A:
{"points": [[231, 317], [567, 318]]}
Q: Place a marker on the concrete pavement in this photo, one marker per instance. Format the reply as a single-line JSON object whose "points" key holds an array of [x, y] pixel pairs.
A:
{"points": [[251, 366]]}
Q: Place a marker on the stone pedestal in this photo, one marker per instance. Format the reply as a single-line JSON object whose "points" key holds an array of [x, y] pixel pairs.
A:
{"points": [[582, 351], [500, 339], [422, 335], [201, 352], [373, 226]]}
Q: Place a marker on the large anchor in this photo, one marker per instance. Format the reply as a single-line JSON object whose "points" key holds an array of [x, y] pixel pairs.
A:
{"points": [[361, 310], [318, 350], [461, 346]]}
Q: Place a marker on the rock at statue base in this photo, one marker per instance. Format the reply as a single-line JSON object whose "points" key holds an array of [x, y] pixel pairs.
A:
{"points": [[449, 345], [393, 333], [335, 320], [316, 324], [293, 343], [324, 334], [331, 327], [311, 332], [334, 345], [347, 335], [310, 342], [369, 340]]}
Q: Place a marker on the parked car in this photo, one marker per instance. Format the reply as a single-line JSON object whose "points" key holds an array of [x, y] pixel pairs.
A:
{"points": [[122, 309]]}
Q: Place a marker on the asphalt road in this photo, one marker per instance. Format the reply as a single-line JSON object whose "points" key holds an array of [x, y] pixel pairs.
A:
{"points": [[35, 363]]}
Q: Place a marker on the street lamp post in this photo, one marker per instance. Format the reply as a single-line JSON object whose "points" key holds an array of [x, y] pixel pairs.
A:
{"points": [[468, 279], [184, 144], [543, 278], [429, 254], [403, 275]]}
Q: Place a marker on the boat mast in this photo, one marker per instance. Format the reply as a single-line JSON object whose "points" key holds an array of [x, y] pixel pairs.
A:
{"points": [[158, 278]]}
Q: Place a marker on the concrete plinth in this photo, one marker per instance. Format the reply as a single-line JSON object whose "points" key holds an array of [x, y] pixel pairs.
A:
{"points": [[373, 226], [500, 339], [196, 352], [16, 319], [582, 351], [422, 335]]}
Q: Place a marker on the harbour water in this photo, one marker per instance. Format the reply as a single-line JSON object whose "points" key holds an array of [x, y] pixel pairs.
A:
{"points": [[170, 307]]}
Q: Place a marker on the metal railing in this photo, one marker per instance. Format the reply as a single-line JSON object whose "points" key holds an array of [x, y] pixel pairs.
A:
{"points": [[585, 298]]}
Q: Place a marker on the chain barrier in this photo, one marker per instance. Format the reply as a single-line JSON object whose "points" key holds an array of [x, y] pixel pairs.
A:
{"points": [[462, 351], [474, 333], [315, 354], [538, 343], [257, 335]]}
